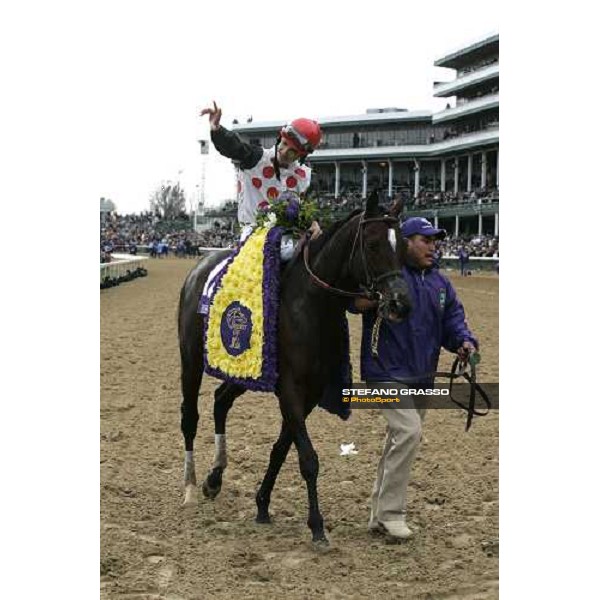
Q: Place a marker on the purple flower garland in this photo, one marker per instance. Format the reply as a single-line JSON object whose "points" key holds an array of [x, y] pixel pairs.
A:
{"points": [[271, 281]]}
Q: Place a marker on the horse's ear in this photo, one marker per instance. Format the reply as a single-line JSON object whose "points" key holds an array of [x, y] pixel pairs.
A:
{"points": [[396, 209], [372, 203]]}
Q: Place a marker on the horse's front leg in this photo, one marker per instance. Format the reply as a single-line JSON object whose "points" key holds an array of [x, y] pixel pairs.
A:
{"points": [[224, 398], [278, 455], [294, 407]]}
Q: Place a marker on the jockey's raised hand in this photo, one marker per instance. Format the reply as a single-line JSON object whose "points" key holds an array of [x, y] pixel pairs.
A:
{"points": [[215, 116]]}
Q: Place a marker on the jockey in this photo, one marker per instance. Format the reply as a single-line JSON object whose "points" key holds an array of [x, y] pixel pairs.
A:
{"points": [[267, 172]]}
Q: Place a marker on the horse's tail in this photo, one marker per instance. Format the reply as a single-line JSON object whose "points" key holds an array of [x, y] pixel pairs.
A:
{"points": [[180, 305], [186, 295], [190, 293]]}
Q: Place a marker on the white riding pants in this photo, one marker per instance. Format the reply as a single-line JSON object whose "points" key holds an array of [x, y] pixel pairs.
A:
{"points": [[287, 242]]}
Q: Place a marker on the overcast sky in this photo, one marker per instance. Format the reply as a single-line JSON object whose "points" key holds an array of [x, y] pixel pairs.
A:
{"points": [[156, 66]]}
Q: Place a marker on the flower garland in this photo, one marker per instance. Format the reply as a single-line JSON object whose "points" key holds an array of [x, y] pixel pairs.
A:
{"points": [[292, 212], [246, 290]]}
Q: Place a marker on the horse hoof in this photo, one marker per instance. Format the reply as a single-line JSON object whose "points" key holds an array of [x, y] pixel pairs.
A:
{"points": [[321, 544], [191, 496], [209, 492], [263, 519]]}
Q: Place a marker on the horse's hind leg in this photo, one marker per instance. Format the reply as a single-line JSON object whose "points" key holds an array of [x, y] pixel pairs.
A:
{"points": [[191, 378], [278, 456], [192, 367], [225, 396]]}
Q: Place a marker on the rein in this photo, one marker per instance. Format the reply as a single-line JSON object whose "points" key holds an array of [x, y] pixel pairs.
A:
{"points": [[458, 370]]}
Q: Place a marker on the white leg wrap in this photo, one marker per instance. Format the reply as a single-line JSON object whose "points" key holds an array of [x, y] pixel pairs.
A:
{"points": [[189, 468], [220, 451]]}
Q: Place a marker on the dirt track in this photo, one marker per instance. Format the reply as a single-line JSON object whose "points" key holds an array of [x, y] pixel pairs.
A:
{"points": [[152, 548]]}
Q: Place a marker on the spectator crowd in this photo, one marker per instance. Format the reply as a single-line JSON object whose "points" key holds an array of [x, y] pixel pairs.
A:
{"points": [[473, 245], [425, 199], [158, 237], [443, 199]]}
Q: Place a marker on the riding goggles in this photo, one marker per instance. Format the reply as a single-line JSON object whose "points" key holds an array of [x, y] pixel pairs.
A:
{"points": [[297, 139]]}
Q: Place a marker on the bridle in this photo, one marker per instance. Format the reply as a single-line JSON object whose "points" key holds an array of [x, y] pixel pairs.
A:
{"points": [[369, 291]]}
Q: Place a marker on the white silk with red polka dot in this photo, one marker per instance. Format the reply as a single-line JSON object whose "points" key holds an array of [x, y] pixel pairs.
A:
{"points": [[259, 183]]}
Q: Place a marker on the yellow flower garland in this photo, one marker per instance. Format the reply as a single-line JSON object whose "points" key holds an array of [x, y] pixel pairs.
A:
{"points": [[242, 282]]}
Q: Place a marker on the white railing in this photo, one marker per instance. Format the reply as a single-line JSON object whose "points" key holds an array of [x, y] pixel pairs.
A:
{"points": [[120, 264], [483, 263], [482, 258]]}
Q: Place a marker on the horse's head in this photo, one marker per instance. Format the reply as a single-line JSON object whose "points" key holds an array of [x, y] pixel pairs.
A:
{"points": [[377, 256]]}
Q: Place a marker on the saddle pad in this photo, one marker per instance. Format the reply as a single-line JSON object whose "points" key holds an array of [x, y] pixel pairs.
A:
{"points": [[209, 286], [240, 330]]}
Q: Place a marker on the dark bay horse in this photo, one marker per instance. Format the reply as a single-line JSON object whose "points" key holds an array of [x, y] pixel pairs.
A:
{"points": [[355, 257]]}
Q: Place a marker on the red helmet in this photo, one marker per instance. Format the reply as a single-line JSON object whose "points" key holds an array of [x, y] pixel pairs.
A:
{"points": [[303, 134]]}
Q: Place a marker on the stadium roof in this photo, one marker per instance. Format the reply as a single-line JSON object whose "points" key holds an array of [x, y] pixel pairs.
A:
{"points": [[465, 142], [469, 81], [471, 53], [344, 121], [469, 108]]}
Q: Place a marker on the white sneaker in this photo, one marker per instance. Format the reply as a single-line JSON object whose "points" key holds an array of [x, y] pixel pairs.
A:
{"points": [[397, 529], [375, 527]]}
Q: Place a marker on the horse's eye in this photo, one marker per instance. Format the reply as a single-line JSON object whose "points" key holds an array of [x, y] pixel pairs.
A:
{"points": [[373, 245]]}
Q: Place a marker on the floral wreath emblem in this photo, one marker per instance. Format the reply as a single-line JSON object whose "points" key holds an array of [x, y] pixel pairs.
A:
{"points": [[236, 328]]}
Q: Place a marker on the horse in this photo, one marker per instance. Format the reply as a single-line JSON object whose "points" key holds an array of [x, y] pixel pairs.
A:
{"points": [[359, 256]]}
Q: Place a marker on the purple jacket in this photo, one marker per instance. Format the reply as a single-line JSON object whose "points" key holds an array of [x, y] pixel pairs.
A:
{"points": [[412, 347]]}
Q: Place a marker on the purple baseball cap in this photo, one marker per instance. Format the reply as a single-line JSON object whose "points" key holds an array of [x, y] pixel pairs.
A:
{"points": [[421, 226]]}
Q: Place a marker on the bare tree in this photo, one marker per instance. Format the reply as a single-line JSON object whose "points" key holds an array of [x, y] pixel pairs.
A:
{"points": [[168, 200]]}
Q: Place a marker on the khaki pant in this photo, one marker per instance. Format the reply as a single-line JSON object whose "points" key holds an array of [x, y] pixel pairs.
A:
{"points": [[388, 501]]}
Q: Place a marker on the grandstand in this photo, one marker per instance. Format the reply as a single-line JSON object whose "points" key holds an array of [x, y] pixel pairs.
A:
{"points": [[445, 164], [106, 206]]}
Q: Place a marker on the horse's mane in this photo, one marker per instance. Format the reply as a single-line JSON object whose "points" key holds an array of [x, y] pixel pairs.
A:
{"points": [[317, 245]]}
